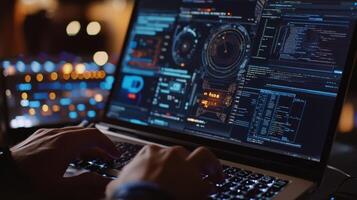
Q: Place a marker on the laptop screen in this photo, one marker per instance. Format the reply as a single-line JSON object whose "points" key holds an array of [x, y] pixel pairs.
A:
{"points": [[257, 73]]}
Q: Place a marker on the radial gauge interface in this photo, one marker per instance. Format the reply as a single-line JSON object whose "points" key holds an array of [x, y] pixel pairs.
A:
{"points": [[251, 72]]}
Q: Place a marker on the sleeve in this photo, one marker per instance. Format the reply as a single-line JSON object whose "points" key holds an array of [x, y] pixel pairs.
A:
{"points": [[13, 184], [141, 191]]}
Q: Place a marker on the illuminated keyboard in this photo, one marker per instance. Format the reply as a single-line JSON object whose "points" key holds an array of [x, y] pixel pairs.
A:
{"points": [[238, 183], [244, 184]]}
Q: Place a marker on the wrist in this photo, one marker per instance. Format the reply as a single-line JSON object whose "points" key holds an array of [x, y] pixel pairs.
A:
{"points": [[140, 190]]}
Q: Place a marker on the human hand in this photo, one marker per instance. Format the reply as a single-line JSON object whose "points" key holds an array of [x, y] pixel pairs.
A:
{"points": [[45, 156], [175, 170]]}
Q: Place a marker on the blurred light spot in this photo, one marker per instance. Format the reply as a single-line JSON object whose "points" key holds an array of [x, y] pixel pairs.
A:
{"points": [[24, 87], [56, 108], [52, 95], [109, 68], [101, 58], [54, 76], [92, 101], [34, 104], [83, 85], [35, 66], [87, 75], [65, 101], [32, 111], [74, 75], [24, 103], [80, 68], [67, 68], [6, 64], [27, 78], [49, 66], [93, 28], [73, 115], [39, 77], [73, 28], [71, 107], [346, 124], [98, 98], [8, 93], [81, 107], [101, 74], [24, 96], [10, 71], [21, 67], [45, 108], [91, 114], [66, 76]]}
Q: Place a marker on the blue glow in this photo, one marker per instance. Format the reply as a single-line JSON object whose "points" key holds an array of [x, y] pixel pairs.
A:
{"points": [[109, 68], [36, 66], [91, 114], [24, 87], [50, 86], [81, 107], [73, 115], [40, 95], [109, 79], [135, 121], [133, 84], [6, 64], [34, 104], [65, 101], [68, 86], [103, 85], [49, 66], [20, 66], [128, 69], [176, 87], [92, 67], [25, 103], [83, 85], [338, 72], [92, 101]]}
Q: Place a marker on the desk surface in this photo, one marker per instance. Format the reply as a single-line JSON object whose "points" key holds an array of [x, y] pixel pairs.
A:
{"points": [[344, 157]]}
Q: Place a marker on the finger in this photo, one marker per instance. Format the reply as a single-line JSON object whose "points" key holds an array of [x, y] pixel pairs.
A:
{"points": [[83, 140], [31, 138], [41, 133], [149, 148], [207, 163], [180, 151]]}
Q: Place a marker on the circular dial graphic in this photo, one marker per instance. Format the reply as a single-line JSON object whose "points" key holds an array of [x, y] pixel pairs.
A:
{"points": [[184, 46], [226, 51]]}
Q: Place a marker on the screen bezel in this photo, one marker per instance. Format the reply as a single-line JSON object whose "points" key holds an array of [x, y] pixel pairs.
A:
{"points": [[309, 169]]}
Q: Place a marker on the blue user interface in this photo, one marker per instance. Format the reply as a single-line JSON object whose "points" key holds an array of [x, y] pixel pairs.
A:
{"points": [[258, 73]]}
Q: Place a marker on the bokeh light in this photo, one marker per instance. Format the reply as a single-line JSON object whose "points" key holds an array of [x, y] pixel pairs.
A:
{"points": [[101, 58], [73, 28]]}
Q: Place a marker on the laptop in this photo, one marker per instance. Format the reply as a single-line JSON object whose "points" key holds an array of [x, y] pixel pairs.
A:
{"points": [[260, 83]]}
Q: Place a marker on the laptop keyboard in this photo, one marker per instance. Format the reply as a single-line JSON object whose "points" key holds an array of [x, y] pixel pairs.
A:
{"points": [[238, 183], [244, 184]]}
